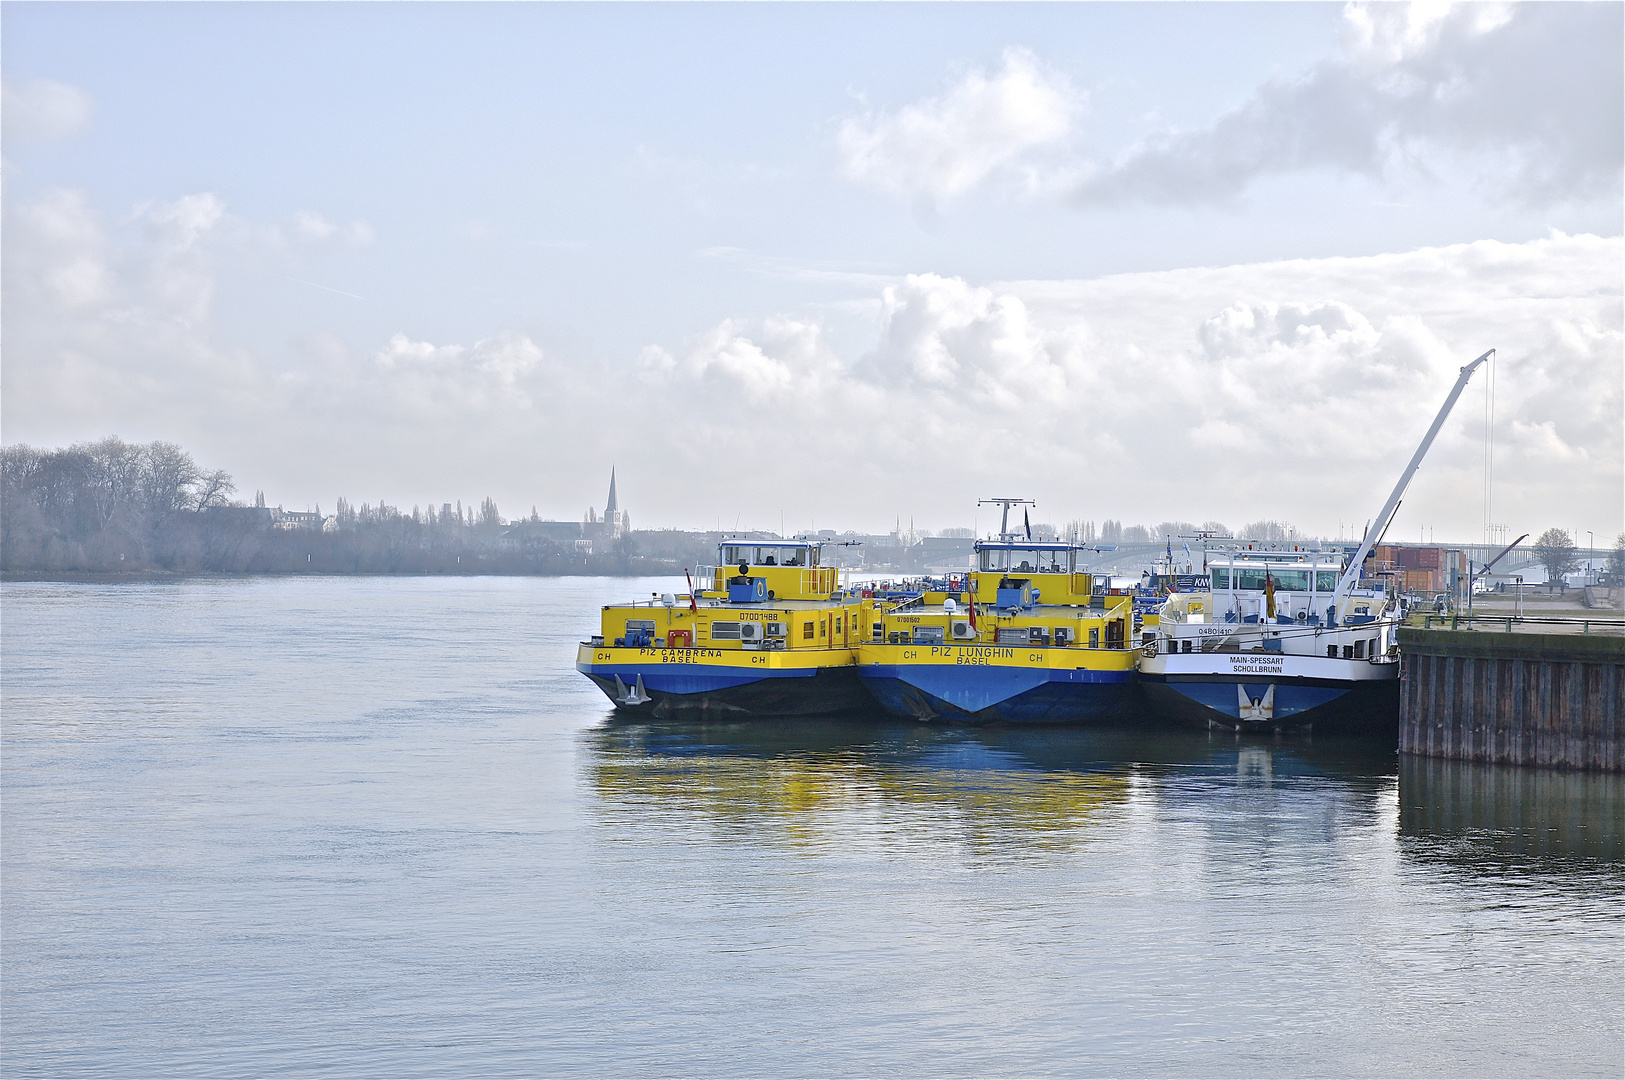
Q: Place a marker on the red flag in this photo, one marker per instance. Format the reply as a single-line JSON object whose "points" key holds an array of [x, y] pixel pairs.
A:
{"points": [[692, 605]]}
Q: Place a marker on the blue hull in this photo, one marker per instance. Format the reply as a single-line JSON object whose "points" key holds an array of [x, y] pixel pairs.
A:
{"points": [[678, 690], [997, 694], [1367, 706]]}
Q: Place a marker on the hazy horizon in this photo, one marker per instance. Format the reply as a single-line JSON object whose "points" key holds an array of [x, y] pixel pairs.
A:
{"points": [[830, 266]]}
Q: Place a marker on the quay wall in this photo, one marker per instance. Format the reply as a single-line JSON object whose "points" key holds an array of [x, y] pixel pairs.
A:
{"points": [[1551, 700]]}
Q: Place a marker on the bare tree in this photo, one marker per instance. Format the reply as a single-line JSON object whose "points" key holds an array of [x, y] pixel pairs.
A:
{"points": [[1555, 550], [1079, 531], [1270, 531], [1616, 561], [169, 479], [213, 489]]}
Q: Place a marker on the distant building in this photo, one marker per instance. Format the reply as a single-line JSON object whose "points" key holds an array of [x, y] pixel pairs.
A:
{"points": [[1421, 569], [614, 524], [292, 521], [580, 535]]}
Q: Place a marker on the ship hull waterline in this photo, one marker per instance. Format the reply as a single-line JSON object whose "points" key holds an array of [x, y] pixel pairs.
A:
{"points": [[1365, 707], [713, 683], [977, 685]]}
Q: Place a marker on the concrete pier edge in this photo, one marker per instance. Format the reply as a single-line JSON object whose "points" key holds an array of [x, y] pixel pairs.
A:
{"points": [[1540, 699]]}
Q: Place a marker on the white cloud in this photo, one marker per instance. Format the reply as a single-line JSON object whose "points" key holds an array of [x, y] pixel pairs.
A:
{"points": [[62, 249], [44, 110], [1528, 99], [1542, 445], [313, 228], [943, 146], [419, 378], [945, 336], [786, 363], [180, 224], [112, 328], [402, 350], [1292, 389]]}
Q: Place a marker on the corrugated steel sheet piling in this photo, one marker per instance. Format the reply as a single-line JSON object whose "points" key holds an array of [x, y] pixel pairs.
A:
{"points": [[1550, 700]]}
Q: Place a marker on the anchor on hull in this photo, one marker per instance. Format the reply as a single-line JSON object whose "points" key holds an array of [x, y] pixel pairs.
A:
{"points": [[1256, 709], [636, 695]]}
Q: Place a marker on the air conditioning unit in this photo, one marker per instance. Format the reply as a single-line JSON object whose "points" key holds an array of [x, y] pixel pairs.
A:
{"points": [[963, 631], [1065, 635], [749, 631], [773, 629]]}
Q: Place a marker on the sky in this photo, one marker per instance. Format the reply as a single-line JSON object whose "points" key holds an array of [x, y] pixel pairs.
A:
{"points": [[830, 266]]}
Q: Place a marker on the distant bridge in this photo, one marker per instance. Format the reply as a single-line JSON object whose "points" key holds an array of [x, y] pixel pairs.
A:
{"points": [[1128, 560]]}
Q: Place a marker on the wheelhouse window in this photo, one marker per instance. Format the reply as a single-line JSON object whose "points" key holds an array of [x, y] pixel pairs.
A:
{"points": [[1027, 560], [1287, 580], [1248, 577], [768, 555]]}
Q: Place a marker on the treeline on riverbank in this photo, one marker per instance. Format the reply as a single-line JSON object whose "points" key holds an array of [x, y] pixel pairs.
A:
{"points": [[111, 507]]}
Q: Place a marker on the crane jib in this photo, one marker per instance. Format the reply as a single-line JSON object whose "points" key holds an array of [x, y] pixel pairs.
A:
{"points": [[1380, 525]]}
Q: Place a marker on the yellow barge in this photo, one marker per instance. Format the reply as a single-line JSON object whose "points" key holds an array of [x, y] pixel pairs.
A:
{"points": [[771, 633], [1030, 640]]}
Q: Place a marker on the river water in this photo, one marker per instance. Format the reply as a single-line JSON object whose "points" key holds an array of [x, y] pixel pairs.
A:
{"points": [[380, 827]]}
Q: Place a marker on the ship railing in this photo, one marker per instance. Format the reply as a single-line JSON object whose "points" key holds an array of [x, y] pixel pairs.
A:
{"points": [[1598, 624], [1244, 637], [677, 600]]}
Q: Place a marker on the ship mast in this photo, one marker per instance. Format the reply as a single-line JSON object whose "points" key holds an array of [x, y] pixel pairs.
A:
{"points": [[1380, 525], [1004, 521]]}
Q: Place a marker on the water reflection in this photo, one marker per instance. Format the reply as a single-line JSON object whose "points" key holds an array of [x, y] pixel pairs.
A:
{"points": [[822, 777], [1473, 812], [820, 782]]}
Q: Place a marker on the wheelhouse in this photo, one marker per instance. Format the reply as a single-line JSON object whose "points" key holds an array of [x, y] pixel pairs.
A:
{"points": [[803, 553], [1302, 583], [756, 570], [1000, 557], [1036, 571]]}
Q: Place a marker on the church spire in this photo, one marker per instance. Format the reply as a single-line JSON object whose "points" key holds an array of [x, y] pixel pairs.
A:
{"points": [[612, 505]]}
